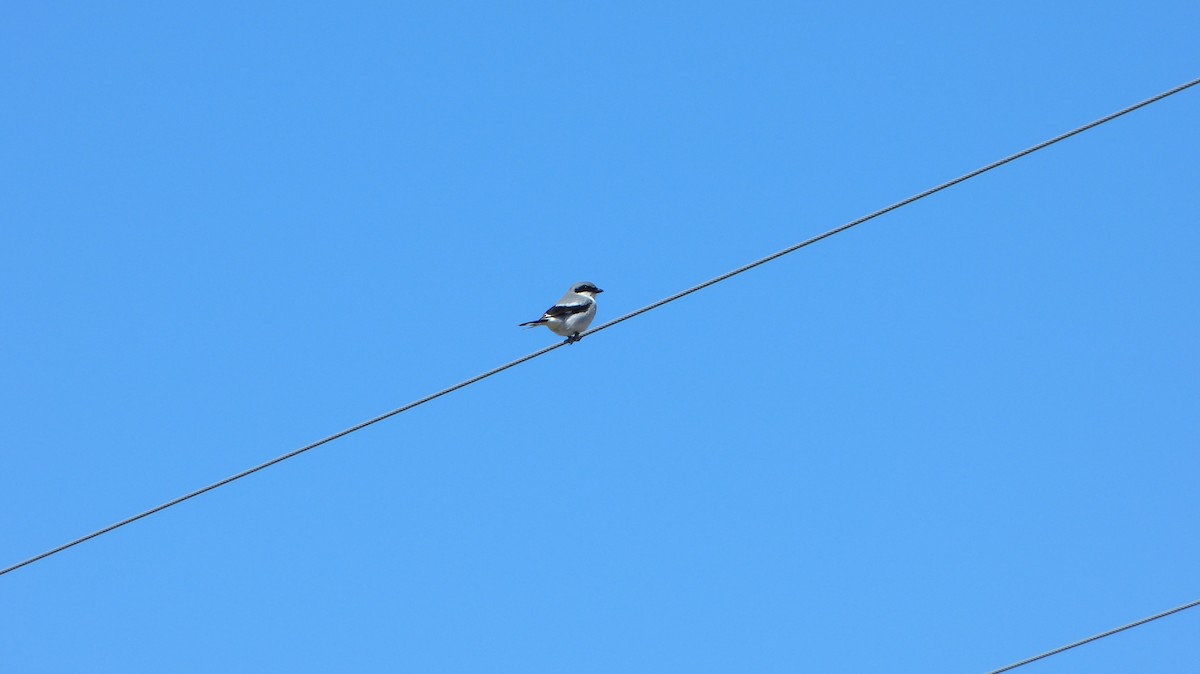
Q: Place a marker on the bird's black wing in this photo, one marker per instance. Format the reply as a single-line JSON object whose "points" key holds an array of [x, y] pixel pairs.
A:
{"points": [[564, 310]]}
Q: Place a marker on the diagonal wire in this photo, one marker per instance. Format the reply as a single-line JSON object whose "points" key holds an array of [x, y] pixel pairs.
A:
{"points": [[278, 459], [649, 307], [899, 204], [1081, 642]]}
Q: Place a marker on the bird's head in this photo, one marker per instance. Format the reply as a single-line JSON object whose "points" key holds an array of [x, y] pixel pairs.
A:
{"points": [[586, 288]]}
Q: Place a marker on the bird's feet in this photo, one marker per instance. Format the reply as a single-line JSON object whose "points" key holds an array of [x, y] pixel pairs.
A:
{"points": [[573, 338]]}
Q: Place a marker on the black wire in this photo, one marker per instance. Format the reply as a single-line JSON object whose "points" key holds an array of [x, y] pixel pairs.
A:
{"points": [[278, 459], [898, 204], [1081, 642], [607, 325]]}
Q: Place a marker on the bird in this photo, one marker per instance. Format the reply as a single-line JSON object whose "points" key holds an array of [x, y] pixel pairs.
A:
{"points": [[572, 314]]}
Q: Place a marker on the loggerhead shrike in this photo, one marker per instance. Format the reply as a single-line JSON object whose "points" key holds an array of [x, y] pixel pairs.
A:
{"points": [[572, 314]]}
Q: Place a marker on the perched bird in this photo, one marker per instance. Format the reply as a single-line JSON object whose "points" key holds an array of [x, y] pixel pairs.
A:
{"points": [[572, 314]]}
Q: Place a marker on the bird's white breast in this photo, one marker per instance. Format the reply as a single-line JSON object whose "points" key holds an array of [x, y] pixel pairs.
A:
{"points": [[574, 323]]}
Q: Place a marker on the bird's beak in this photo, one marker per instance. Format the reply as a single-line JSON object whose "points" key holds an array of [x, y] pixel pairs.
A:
{"points": [[598, 291]]}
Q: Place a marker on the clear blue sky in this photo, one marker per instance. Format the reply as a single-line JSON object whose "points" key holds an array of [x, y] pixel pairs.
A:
{"points": [[954, 437]]}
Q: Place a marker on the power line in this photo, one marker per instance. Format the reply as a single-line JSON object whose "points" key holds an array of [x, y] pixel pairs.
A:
{"points": [[899, 204], [607, 325], [1081, 642], [279, 459]]}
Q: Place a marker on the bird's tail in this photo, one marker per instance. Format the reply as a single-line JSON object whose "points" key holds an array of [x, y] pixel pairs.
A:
{"points": [[533, 324]]}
